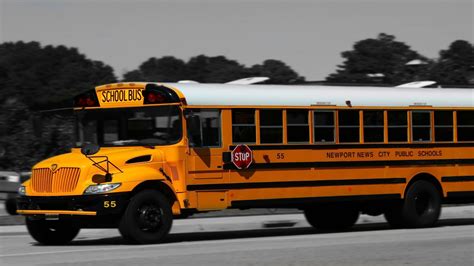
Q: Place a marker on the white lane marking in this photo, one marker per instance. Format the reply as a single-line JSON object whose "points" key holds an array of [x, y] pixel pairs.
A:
{"points": [[426, 234], [13, 236], [47, 252], [322, 237], [141, 247]]}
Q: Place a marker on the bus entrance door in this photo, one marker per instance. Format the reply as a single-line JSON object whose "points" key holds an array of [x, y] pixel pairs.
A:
{"points": [[205, 172], [204, 164]]}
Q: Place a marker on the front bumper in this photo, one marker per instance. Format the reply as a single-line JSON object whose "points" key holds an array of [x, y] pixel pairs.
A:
{"points": [[56, 212], [87, 205]]}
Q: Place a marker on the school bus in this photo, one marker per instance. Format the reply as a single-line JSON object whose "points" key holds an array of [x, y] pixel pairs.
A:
{"points": [[150, 152]]}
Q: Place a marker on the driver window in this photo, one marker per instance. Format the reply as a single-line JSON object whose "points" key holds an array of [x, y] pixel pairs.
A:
{"points": [[204, 127]]}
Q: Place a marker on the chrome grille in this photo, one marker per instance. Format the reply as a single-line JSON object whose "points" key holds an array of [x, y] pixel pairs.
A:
{"points": [[63, 180]]}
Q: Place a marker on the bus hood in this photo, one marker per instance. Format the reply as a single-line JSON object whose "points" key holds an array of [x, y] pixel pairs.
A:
{"points": [[120, 157], [71, 173]]}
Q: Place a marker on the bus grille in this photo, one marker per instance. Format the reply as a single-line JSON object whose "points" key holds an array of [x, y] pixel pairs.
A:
{"points": [[63, 180]]}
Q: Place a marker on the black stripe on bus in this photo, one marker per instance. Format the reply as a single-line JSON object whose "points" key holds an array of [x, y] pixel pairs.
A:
{"points": [[340, 164], [461, 194], [298, 202], [356, 146], [311, 183], [457, 178]]}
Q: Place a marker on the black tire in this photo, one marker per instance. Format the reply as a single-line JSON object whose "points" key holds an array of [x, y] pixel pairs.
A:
{"points": [[10, 206], [332, 217], [393, 215], [51, 232], [147, 219], [420, 208]]}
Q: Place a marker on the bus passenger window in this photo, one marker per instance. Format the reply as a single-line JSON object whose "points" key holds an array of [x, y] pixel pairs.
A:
{"points": [[297, 126], [421, 125], [271, 126], [397, 126], [465, 121], [243, 126], [324, 126], [373, 126], [205, 132], [443, 122], [348, 126]]}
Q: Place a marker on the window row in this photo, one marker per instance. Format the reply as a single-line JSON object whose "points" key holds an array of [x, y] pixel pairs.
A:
{"points": [[327, 126], [345, 126]]}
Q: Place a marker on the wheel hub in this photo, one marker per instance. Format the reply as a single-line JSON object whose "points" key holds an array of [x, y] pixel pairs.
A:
{"points": [[149, 218], [422, 203]]}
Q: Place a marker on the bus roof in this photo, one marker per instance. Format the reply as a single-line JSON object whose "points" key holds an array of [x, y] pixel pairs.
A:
{"points": [[293, 95]]}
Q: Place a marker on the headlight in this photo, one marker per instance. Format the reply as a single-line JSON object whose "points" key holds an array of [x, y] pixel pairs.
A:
{"points": [[22, 190], [101, 188]]}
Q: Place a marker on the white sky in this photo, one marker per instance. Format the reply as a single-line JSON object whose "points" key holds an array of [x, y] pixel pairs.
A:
{"points": [[307, 35]]}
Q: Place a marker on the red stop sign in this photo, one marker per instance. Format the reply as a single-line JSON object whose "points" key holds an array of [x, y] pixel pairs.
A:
{"points": [[242, 156]]}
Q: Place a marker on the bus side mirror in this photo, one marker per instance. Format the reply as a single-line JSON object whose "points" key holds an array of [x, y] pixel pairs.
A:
{"points": [[194, 124], [194, 130], [90, 149]]}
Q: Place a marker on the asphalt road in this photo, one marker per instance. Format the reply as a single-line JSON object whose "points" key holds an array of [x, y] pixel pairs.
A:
{"points": [[247, 241]]}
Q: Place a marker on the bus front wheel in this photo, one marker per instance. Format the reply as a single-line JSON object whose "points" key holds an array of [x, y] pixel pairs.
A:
{"points": [[420, 208], [147, 219], [51, 232], [332, 217], [10, 206]]}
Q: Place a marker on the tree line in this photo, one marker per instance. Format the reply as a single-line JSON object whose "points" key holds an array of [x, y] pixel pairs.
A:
{"points": [[384, 59], [34, 78]]}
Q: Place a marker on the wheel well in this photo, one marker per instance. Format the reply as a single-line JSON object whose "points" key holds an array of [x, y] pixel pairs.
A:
{"points": [[426, 177], [156, 185]]}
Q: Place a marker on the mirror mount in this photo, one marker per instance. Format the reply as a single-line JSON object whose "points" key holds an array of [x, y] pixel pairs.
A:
{"points": [[89, 150]]}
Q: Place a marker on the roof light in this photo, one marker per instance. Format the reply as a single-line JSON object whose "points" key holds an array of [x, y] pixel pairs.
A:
{"points": [[87, 99], [155, 97], [156, 94]]}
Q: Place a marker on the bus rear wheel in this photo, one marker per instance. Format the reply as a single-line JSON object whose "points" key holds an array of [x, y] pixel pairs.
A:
{"points": [[420, 208], [51, 232], [147, 219], [333, 217]]}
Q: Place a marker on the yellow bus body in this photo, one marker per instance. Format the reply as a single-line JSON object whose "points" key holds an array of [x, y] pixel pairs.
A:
{"points": [[281, 175]]}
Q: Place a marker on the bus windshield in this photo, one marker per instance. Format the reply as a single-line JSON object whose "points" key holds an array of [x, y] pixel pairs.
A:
{"points": [[144, 126]]}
